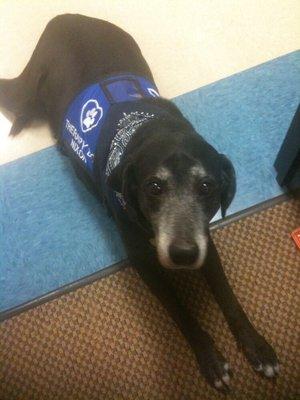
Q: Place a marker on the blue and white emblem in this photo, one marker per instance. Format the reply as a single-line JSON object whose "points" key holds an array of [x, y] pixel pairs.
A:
{"points": [[91, 113]]}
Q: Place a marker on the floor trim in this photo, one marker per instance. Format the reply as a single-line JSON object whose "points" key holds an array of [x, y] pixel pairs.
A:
{"points": [[123, 264], [63, 290], [254, 209]]}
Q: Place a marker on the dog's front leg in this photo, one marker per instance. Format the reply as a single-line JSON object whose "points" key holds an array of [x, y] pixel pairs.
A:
{"points": [[258, 352], [212, 364]]}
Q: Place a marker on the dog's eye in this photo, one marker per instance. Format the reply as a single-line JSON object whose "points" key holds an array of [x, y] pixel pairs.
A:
{"points": [[154, 188], [205, 188]]}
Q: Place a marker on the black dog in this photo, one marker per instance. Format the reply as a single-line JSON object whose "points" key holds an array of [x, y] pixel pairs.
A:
{"points": [[159, 179]]}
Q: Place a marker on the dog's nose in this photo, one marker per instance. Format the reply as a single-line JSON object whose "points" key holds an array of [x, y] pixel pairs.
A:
{"points": [[183, 253]]}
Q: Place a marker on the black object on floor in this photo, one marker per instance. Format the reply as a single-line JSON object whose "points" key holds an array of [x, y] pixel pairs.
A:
{"points": [[287, 163]]}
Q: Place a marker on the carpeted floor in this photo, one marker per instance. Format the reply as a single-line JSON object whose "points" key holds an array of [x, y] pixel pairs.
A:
{"points": [[113, 340]]}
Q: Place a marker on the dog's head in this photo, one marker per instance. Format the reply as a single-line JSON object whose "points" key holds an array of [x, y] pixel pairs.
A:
{"points": [[174, 182]]}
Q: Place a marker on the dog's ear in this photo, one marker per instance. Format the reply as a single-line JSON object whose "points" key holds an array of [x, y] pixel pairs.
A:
{"points": [[228, 185]]}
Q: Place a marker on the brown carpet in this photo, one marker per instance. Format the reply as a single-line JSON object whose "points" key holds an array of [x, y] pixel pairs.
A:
{"points": [[113, 340]]}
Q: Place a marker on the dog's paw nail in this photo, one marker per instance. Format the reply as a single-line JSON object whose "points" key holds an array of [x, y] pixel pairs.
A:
{"points": [[218, 383], [259, 367], [226, 379], [226, 367], [269, 371]]}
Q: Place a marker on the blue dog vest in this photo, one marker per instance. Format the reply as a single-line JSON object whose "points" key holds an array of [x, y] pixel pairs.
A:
{"points": [[103, 118], [86, 116]]}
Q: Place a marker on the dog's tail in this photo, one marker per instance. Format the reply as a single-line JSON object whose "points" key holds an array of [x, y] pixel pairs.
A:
{"points": [[11, 99], [8, 94], [19, 97]]}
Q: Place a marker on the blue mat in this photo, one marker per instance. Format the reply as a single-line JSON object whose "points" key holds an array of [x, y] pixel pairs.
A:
{"points": [[53, 232], [246, 117]]}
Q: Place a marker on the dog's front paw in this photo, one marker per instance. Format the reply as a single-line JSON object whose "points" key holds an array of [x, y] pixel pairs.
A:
{"points": [[259, 353], [214, 368]]}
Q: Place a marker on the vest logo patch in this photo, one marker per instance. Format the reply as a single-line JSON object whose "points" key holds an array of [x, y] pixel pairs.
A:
{"points": [[91, 113]]}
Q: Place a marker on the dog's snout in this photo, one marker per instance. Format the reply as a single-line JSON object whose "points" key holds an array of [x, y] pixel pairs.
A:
{"points": [[182, 253]]}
